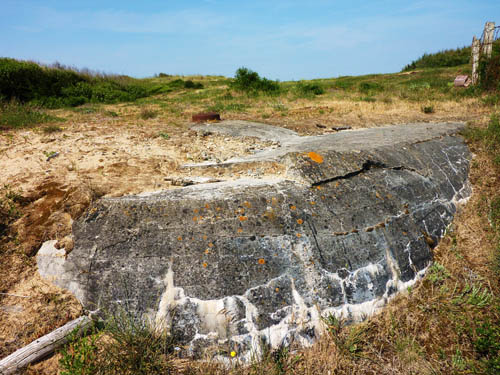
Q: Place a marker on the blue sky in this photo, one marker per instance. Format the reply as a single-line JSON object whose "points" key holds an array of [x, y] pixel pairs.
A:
{"points": [[279, 39]]}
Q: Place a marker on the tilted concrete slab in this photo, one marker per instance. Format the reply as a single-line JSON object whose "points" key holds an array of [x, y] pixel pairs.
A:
{"points": [[236, 265]]}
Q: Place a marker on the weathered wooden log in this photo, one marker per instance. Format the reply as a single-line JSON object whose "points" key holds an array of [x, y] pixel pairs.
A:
{"points": [[43, 346]]}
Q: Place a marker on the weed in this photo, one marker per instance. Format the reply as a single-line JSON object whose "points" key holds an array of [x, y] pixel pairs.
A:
{"points": [[487, 345], [428, 109], [164, 135], [437, 273], [80, 356]]}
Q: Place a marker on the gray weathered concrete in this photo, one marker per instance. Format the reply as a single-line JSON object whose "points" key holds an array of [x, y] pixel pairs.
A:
{"points": [[238, 264]]}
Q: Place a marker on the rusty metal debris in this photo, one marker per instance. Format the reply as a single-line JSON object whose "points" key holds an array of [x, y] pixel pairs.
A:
{"points": [[206, 116]]}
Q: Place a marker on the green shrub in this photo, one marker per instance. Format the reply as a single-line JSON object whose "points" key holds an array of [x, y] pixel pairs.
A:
{"points": [[249, 81], [309, 89]]}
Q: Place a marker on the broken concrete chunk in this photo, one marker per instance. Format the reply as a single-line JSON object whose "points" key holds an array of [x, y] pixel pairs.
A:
{"points": [[246, 263]]}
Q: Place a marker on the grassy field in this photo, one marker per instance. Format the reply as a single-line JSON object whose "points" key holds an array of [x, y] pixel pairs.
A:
{"points": [[447, 324]]}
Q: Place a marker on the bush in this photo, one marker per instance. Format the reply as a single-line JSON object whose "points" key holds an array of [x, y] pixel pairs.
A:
{"points": [[250, 82], [309, 89]]}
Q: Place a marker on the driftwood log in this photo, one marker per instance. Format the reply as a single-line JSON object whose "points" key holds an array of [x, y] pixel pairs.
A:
{"points": [[43, 346]]}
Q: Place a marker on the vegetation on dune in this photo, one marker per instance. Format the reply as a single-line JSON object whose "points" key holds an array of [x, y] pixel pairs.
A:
{"points": [[250, 82], [441, 59]]}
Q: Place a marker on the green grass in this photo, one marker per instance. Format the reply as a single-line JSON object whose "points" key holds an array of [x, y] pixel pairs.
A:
{"points": [[14, 115]]}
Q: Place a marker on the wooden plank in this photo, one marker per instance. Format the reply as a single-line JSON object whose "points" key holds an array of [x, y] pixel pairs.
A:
{"points": [[43, 346]]}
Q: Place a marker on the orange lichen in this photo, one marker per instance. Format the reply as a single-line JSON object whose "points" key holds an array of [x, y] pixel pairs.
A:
{"points": [[315, 157], [195, 210], [204, 264], [274, 201], [195, 218], [179, 238], [262, 261], [318, 187], [210, 244], [240, 230], [207, 206], [204, 237], [243, 218], [293, 208], [277, 290], [313, 202], [299, 235], [300, 221], [247, 204]]}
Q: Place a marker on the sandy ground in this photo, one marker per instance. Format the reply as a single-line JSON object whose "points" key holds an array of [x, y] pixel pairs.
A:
{"points": [[99, 155]]}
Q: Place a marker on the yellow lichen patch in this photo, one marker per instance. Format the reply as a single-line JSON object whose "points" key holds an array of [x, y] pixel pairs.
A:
{"points": [[218, 208], [274, 201], [300, 221], [195, 218], [196, 211], [315, 157], [210, 244], [247, 204], [262, 261], [378, 195], [207, 251], [243, 218], [233, 354], [277, 290]]}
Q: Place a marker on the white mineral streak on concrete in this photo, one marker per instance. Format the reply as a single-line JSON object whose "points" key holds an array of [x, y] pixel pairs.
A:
{"points": [[167, 302], [213, 318]]}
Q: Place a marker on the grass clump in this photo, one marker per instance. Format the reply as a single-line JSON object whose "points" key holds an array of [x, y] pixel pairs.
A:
{"points": [[250, 82], [489, 137], [14, 115], [124, 346], [148, 113]]}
